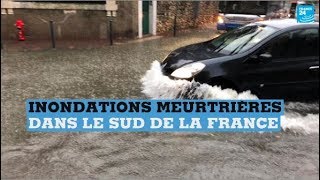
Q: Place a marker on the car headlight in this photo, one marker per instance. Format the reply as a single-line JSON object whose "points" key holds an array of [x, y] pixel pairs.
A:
{"points": [[220, 20], [188, 71]]}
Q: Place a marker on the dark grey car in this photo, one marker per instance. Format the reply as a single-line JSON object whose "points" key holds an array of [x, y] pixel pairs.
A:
{"points": [[273, 59]]}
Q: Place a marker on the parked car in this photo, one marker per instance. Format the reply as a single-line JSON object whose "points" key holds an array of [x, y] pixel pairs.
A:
{"points": [[273, 59], [231, 21], [234, 14]]}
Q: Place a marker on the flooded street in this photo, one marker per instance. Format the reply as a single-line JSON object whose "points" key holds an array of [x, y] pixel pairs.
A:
{"points": [[115, 72]]}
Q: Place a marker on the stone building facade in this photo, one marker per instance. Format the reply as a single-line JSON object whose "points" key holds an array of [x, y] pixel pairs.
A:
{"points": [[90, 20], [189, 14]]}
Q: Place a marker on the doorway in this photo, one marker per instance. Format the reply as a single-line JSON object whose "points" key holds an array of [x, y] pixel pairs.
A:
{"points": [[145, 17]]}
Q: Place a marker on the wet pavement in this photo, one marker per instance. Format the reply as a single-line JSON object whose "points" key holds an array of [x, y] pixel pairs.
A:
{"points": [[115, 72]]}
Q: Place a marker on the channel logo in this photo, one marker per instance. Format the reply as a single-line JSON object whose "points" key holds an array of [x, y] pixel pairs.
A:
{"points": [[305, 13]]}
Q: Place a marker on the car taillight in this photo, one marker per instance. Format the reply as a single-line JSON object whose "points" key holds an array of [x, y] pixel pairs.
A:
{"points": [[260, 19]]}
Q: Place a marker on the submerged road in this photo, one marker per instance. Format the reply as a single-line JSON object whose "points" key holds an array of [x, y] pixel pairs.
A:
{"points": [[115, 72]]}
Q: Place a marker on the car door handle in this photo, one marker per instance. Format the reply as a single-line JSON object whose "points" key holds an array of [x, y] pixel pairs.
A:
{"points": [[313, 67]]}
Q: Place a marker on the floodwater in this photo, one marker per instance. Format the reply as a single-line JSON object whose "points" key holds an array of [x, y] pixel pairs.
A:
{"points": [[116, 72], [300, 117]]}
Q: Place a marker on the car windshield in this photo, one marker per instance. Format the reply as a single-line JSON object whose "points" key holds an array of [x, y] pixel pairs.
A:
{"points": [[241, 39]]}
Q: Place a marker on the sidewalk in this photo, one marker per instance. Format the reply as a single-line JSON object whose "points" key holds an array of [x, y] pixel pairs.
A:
{"points": [[39, 45]]}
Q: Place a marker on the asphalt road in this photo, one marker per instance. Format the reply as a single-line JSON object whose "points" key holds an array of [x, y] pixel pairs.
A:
{"points": [[115, 72]]}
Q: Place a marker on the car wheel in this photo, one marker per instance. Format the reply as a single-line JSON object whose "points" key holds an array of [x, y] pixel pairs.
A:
{"points": [[224, 84]]}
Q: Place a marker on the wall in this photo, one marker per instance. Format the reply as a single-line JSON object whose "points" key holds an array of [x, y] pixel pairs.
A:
{"points": [[189, 14], [85, 24], [126, 22]]}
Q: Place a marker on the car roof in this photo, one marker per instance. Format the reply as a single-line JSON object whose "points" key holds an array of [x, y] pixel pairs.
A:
{"points": [[285, 23]]}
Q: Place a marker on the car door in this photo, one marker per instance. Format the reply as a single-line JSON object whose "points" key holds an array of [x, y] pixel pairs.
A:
{"points": [[286, 67], [306, 58]]}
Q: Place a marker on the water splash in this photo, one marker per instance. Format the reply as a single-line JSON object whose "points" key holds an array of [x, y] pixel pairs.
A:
{"points": [[157, 86], [299, 117], [297, 123]]}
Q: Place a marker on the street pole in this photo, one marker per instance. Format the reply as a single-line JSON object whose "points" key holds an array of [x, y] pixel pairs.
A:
{"points": [[175, 25], [110, 32], [53, 40]]}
